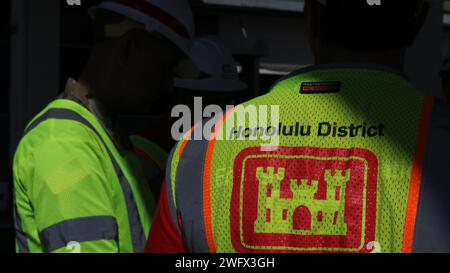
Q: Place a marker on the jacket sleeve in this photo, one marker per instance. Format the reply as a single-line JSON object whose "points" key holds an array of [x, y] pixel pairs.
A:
{"points": [[64, 197]]}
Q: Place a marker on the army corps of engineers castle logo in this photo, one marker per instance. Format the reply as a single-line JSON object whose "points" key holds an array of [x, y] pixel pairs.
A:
{"points": [[304, 199]]}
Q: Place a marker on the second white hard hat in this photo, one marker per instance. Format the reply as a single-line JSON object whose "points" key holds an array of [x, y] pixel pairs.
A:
{"points": [[217, 68]]}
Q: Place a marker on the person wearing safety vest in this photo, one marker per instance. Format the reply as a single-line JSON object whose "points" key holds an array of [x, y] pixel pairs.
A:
{"points": [[78, 185], [351, 157]]}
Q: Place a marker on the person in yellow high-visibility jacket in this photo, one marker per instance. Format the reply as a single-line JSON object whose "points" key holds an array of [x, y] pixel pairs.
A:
{"points": [[78, 185]]}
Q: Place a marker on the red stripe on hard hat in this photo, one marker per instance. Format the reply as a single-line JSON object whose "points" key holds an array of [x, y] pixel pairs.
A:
{"points": [[158, 14]]}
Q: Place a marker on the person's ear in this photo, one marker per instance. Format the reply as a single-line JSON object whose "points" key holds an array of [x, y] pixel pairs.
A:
{"points": [[418, 23]]}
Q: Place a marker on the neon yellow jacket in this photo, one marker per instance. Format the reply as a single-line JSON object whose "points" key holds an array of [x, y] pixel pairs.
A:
{"points": [[74, 190]]}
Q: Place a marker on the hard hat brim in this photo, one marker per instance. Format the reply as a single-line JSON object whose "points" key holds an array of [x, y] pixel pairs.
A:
{"points": [[149, 22]]}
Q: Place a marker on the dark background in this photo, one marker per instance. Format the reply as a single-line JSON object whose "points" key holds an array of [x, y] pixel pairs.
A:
{"points": [[6, 233]]}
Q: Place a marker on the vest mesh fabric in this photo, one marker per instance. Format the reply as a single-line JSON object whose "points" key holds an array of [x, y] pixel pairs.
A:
{"points": [[342, 193]]}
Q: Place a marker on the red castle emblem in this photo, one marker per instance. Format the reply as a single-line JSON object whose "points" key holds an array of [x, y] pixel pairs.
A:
{"points": [[304, 199]]}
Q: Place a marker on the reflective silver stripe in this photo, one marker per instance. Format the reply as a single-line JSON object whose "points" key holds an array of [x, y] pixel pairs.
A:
{"points": [[136, 228], [169, 190], [78, 230], [21, 238], [189, 195]]}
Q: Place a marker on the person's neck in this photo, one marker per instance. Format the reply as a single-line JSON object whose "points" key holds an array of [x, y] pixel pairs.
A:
{"points": [[391, 58], [94, 105]]}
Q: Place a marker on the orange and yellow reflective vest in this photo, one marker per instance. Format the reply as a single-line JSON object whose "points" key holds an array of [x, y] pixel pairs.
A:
{"points": [[358, 165]]}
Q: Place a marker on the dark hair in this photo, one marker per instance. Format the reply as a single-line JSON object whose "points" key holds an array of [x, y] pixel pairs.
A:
{"points": [[356, 25]]}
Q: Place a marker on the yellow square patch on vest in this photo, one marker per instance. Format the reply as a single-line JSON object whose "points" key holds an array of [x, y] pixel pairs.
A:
{"points": [[66, 175]]}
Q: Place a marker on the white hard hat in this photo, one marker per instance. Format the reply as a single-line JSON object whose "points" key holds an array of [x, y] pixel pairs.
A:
{"points": [[217, 67], [171, 18]]}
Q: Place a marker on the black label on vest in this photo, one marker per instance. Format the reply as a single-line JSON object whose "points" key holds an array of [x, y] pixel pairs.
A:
{"points": [[320, 87]]}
